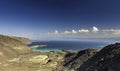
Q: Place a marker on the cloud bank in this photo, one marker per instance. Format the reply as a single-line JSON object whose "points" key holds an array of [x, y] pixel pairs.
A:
{"points": [[93, 32]]}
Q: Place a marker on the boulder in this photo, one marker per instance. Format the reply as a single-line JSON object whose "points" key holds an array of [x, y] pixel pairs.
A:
{"points": [[42, 59]]}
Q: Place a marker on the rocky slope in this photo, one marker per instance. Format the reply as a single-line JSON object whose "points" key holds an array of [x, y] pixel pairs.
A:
{"points": [[33, 62], [108, 59], [10, 47], [16, 56], [22, 39], [73, 60]]}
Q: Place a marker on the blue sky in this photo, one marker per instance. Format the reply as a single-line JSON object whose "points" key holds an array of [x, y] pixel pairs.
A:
{"points": [[40, 18]]}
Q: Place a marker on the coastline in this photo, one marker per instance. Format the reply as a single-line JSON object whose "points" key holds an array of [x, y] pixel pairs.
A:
{"points": [[17, 56]]}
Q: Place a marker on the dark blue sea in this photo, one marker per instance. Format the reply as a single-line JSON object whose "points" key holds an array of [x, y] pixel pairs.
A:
{"points": [[68, 45]]}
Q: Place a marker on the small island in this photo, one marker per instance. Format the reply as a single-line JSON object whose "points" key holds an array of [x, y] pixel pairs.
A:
{"points": [[38, 46]]}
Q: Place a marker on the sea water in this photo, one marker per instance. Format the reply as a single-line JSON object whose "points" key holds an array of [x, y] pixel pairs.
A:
{"points": [[67, 45]]}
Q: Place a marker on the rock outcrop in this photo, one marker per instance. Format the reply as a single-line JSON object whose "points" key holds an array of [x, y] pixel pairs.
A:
{"points": [[34, 62], [73, 60], [79, 58], [108, 59]]}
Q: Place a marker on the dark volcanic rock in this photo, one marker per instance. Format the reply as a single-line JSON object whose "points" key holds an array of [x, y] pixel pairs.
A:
{"points": [[74, 60], [108, 59]]}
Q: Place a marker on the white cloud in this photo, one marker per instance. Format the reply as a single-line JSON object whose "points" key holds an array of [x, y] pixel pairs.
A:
{"points": [[56, 32], [67, 32], [86, 33], [74, 32], [112, 31], [95, 29], [48, 33], [108, 30], [83, 30]]}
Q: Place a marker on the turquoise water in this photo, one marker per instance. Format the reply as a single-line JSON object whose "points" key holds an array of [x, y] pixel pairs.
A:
{"points": [[67, 45]]}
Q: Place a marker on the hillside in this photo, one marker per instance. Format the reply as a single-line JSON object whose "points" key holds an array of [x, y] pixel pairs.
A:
{"points": [[108, 59], [10, 47], [16, 56], [72, 61], [22, 39]]}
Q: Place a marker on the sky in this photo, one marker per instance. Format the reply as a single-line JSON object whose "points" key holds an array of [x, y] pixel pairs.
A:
{"points": [[60, 19]]}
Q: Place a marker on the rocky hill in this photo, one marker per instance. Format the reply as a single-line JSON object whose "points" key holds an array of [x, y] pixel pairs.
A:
{"points": [[10, 47], [16, 56], [22, 39], [108, 59], [73, 60]]}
